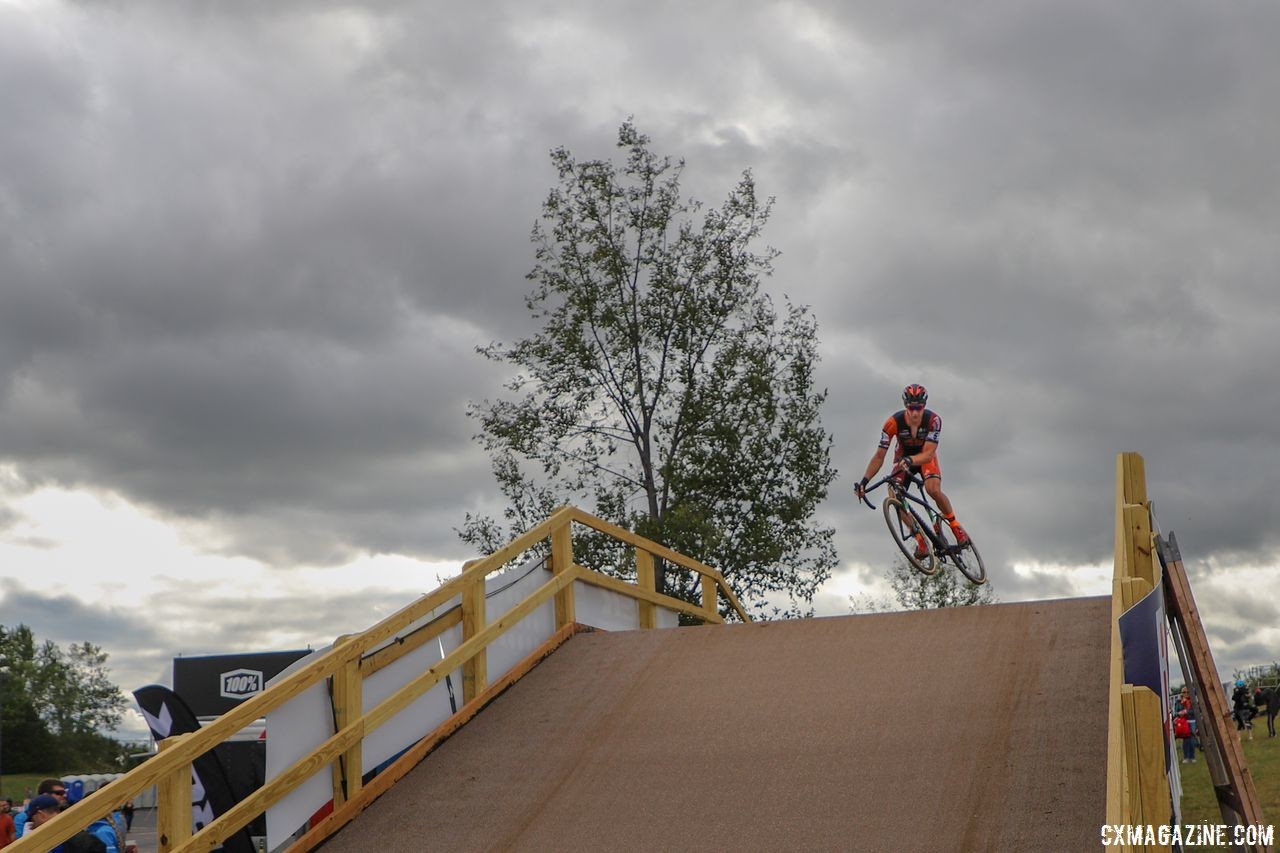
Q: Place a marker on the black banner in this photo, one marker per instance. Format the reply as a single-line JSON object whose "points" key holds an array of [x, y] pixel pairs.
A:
{"points": [[212, 685], [212, 794]]}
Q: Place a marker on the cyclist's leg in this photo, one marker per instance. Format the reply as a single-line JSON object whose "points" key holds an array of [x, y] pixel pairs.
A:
{"points": [[932, 473], [922, 550], [933, 487]]}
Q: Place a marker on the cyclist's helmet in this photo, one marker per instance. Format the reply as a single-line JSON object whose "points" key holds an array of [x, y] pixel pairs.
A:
{"points": [[1239, 682], [914, 395]]}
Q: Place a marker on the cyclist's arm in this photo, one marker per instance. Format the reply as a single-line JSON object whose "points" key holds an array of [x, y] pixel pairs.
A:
{"points": [[877, 460], [925, 456]]}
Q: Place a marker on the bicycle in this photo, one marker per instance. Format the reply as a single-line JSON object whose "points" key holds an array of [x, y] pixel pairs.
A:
{"points": [[905, 520]]}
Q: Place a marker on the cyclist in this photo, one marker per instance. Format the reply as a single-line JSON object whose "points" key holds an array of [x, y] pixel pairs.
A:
{"points": [[917, 430]]}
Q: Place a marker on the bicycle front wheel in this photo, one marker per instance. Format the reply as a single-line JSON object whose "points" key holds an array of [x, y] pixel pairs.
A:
{"points": [[903, 527], [969, 562]]}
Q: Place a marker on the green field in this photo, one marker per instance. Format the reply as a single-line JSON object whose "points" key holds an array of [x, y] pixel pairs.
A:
{"points": [[1262, 755], [15, 785]]}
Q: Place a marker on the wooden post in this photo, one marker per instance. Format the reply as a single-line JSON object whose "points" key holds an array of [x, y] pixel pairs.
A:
{"points": [[1152, 785], [348, 706], [173, 790], [645, 580], [709, 595], [475, 672], [562, 561]]}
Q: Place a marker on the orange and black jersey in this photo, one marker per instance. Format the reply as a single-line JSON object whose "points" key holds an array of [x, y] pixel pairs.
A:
{"points": [[910, 441]]}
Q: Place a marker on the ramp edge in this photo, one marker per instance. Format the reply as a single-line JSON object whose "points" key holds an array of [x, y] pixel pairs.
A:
{"points": [[381, 783]]}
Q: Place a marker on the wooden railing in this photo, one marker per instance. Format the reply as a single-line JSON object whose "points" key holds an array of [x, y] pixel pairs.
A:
{"points": [[354, 657], [1137, 786]]}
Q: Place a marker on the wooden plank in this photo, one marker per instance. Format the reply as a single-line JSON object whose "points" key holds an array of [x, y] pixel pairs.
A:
{"points": [[1139, 560], [347, 707], [238, 816], [1135, 478], [645, 580], [475, 669], [624, 588], [709, 603], [388, 777], [174, 811], [1238, 797], [1132, 779], [1153, 784], [402, 698], [410, 642], [662, 551], [1133, 590], [562, 561]]}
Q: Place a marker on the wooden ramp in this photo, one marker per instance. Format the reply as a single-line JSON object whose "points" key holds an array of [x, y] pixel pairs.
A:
{"points": [[975, 728]]}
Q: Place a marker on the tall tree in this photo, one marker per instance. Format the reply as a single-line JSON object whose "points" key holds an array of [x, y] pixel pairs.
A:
{"points": [[663, 390], [56, 704]]}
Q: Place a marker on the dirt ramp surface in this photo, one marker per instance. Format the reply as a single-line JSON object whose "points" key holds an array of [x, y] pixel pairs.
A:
{"points": [[975, 728]]}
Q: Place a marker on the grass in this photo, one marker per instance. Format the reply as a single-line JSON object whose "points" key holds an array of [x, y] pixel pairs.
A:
{"points": [[15, 785], [1262, 755]]}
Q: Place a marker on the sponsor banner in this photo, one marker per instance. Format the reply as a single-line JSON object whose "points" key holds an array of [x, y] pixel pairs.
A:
{"points": [[211, 793], [215, 684]]}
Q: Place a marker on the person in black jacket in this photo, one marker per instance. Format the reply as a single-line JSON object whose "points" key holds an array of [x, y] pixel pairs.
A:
{"points": [[1242, 707]]}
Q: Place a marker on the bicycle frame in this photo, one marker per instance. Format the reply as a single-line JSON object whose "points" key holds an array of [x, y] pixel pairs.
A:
{"points": [[902, 490]]}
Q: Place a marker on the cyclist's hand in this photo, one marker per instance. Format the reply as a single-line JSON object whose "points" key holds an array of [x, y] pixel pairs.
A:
{"points": [[904, 465], [860, 489]]}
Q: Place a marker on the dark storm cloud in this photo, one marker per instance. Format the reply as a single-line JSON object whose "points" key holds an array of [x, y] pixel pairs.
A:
{"points": [[246, 251]]}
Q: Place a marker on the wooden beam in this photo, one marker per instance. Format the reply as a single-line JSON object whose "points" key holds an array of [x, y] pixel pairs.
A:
{"points": [[173, 813], [475, 670], [410, 642], [1152, 783], [709, 603], [662, 551], [562, 561], [645, 580], [347, 708], [624, 588]]}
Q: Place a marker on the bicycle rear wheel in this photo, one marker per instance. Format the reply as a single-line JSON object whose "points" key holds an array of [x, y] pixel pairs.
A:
{"points": [[904, 536]]}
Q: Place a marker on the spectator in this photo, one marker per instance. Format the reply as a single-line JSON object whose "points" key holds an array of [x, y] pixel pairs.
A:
{"points": [[42, 809], [83, 842], [1182, 731], [8, 831], [48, 787], [1242, 707], [127, 811], [107, 831], [1184, 707], [110, 830]]}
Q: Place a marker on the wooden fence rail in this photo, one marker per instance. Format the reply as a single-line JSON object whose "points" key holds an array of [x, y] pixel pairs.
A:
{"points": [[353, 658]]}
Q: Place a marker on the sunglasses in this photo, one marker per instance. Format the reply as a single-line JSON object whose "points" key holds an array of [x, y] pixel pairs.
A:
{"points": [[916, 407], [61, 793]]}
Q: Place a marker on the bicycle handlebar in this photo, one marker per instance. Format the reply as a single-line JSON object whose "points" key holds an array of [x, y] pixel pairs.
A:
{"points": [[910, 480], [871, 487]]}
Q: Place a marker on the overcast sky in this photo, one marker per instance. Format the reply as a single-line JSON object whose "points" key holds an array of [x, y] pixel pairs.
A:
{"points": [[247, 252]]}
